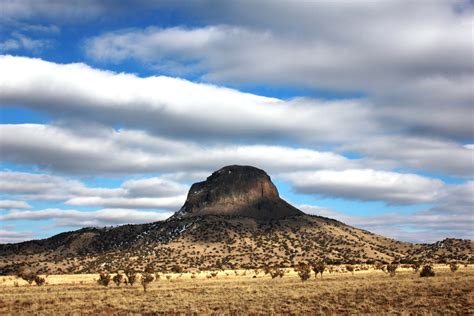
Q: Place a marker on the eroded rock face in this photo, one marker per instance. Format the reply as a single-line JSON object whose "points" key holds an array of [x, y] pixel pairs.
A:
{"points": [[239, 191]]}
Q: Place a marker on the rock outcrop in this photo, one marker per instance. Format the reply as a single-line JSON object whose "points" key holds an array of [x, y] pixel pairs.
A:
{"points": [[237, 191]]}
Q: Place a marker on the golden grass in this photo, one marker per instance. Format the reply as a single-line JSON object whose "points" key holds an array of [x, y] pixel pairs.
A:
{"points": [[371, 292]]}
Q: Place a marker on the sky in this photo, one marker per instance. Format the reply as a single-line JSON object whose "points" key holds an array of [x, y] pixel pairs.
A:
{"points": [[360, 111]]}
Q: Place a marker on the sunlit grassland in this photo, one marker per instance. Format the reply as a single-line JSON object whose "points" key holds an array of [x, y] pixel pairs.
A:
{"points": [[370, 291]]}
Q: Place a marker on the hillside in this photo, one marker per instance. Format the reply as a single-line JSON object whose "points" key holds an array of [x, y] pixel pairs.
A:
{"points": [[234, 219]]}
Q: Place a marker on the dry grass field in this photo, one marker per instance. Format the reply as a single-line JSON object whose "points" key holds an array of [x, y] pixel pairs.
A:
{"points": [[239, 292]]}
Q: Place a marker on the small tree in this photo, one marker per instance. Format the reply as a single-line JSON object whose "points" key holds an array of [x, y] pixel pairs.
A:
{"points": [[146, 279], [427, 271], [454, 266], [131, 276], [104, 278], [319, 267], [118, 278], [392, 268]]}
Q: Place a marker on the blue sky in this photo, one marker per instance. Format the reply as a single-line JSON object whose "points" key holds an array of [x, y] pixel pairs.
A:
{"points": [[359, 111]]}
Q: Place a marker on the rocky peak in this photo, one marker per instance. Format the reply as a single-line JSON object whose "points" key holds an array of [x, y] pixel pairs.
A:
{"points": [[237, 191]]}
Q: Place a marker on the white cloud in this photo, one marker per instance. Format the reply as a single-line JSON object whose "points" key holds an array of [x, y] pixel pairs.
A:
{"points": [[149, 193], [171, 108], [424, 226], [174, 107], [153, 187], [170, 203], [17, 10], [18, 41], [320, 55], [368, 185], [105, 151], [416, 153], [13, 204], [74, 218], [8, 236], [412, 61]]}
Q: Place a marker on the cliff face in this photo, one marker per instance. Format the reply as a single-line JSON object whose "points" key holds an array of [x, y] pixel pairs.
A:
{"points": [[237, 191]]}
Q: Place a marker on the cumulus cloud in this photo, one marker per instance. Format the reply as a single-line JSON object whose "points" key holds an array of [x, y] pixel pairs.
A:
{"points": [[172, 203], [328, 56], [9, 236], [173, 107], [148, 193], [13, 204], [355, 49], [425, 226], [39, 186], [74, 218], [368, 185], [416, 153], [17, 10], [18, 41], [107, 151]]}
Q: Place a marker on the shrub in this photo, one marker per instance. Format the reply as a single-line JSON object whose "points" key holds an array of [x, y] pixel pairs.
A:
{"points": [[177, 269], [39, 280], [277, 272], [350, 268], [27, 275], [427, 271], [304, 272], [118, 278], [146, 279], [319, 267], [392, 268], [131, 276], [454, 266], [104, 279], [266, 269], [416, 266], [379, 266], [149, 269]]}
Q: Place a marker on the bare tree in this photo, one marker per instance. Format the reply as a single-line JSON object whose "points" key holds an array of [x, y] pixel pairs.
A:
{"points": [[146, 279]]}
